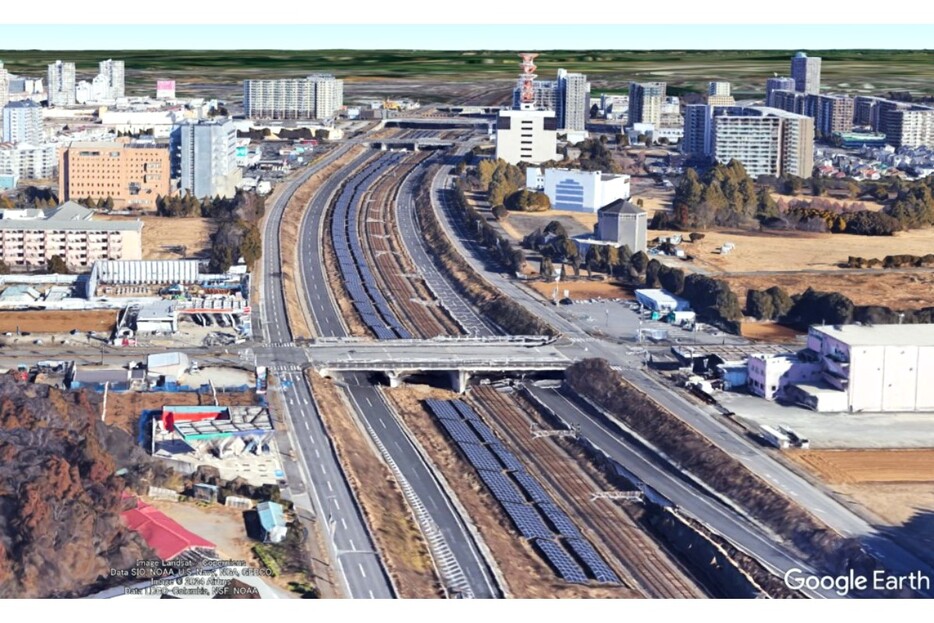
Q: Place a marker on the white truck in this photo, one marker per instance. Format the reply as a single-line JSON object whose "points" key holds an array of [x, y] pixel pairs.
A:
{"points": [[774, 437]]}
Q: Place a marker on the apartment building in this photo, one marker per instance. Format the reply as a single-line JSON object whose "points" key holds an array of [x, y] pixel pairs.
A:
{"points": [[110, 80], [777, 83], [318, 96], [645, 102], [568, 96], [132, 173], [4, 86], [61, 85], [768, 141], [806, 73], [526, 135], [833, 113], [911, 127], [204, 158], [865, 110], [30, 238], [28, 161], [22, 122], [697, 130]]}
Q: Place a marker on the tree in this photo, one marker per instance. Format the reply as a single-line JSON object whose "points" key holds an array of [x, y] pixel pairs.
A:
{"points": [[4, 268], [251, 246], [696, 236], [108, 204], [527, 201], [500, 212], [57, 266], [546, 267], [639, 262], [594, 111]]}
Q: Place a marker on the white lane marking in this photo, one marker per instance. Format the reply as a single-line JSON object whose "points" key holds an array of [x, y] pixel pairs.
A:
{"points": [[323, 470], [317, 454], [369, 404], [362, 572], [343, 523], [353, 547], [382, 422], [371, 595], [337, 504], [330, 488], [305, 422]]}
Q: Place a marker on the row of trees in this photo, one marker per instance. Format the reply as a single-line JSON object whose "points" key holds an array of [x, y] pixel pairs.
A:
{"points": [[501, 248], [814, 307], [247, 206], [891, 261]]}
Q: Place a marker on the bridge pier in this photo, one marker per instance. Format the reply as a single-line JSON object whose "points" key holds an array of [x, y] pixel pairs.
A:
{"points": [[459, 380], [382, 146], [395, 379]]}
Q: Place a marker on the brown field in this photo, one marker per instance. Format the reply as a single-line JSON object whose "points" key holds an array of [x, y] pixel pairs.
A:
{"points": [[124, 408], [58, 321], [868, 466], [164, 237], [768, 332], [898, 290], [583, 289], [862, 204], [771, 251]]}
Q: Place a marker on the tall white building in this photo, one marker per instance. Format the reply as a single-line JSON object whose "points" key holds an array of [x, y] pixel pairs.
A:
{"points": [[768, 141], [319, 96], [205, 154], [526, 136], [27, 161], [110, 79], [911, 127], [22, 122], [645, 102], [777, 84], [718, 88], [568, 96], [806, 73], [698, 133], [4, 85], [61, 85]]}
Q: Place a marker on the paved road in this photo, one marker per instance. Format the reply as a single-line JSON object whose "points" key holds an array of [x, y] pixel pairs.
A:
{"points": [[338, 513], [579, 345], [370, 406]]}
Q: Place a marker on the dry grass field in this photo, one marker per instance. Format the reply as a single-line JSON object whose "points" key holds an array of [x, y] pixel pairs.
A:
{"points": [[868, 466], [167, 238], [583, 289], [58, 321]]}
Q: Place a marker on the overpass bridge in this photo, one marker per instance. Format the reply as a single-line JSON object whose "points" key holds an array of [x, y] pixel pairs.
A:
{"points": [[459, 358], [411, 144]]}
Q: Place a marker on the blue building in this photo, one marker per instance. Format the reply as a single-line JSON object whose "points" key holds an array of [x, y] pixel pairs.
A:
{"points": [[272, 521]]}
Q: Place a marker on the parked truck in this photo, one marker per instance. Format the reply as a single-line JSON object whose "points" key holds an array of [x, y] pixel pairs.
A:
{"points": [[261, 374], [774, 437], [794, 438]]}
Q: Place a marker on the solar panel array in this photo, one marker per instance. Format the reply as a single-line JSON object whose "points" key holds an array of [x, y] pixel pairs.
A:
{"points": [[528, 505], [364, 292]]}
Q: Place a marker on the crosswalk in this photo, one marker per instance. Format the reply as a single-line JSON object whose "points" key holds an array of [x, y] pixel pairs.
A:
{"points": [[285, 367], [282, 344]]}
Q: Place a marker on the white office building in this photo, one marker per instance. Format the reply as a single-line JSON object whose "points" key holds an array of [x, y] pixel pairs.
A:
{"points": [[768, 141], [61, 85], [576, 190], [22, 122], [805, 70], [526, 136], [645, 102], [319, 96], [205, 158], [28, 161]]}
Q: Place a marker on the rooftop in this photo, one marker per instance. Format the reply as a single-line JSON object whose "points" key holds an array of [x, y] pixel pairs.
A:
{"points": [[880, 335], [164, 535], [270, 515], [621, 206]]}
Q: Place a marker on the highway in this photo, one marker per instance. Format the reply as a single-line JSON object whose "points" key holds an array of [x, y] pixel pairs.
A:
{"points": [[371, 408], [348, 538], [578, 344]]}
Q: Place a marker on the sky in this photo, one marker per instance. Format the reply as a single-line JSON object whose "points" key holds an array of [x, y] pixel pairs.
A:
{"points": [[464, 37]]}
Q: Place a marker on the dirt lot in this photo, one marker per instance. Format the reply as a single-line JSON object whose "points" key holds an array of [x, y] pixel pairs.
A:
{"points": [[398, 536], [862, 204], [288, 242], [583, 289], [165, 237], [898, 290], [868, 466], [58, 321], [769, 251], [768, 332], [124, 408], [527, 575], [520, 224]]}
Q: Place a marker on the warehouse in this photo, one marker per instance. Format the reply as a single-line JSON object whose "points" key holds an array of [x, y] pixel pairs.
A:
{"points": [[661, 301]]}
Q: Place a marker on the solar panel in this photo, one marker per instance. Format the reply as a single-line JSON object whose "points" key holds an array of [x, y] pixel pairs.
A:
{"points": [[531, 487], [592, 560], [501, 487], [484, 431], [465, 410], [561, 562], [459, 431], [507, 458], [480, 457], [527, 521], [559, 520], [443, 410]]}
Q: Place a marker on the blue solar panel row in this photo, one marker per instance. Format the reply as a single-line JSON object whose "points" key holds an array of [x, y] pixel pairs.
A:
{"points": [[562, 562], [528, 521], [559, 520], [465, 410], [480, 457], [507, 458], [443, 410], [501, 487], [592, 560], [460, 432], [484, 431], [531, 487]]}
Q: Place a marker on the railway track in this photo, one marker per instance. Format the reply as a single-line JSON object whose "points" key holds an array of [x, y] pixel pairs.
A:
{"points": [[631, 551], [398, 277]]}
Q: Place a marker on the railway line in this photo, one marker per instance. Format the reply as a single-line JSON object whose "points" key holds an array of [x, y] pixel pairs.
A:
{"points": [[636, 555]]}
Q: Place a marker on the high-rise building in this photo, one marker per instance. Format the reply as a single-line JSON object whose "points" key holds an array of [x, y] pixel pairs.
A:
{"points": [[777, 84], [319, 96], [132, 173], [27, 161], [697, 130], [4, 86], [61, 87], [718, 88], [526, 135], [204, 157], [568, 96], [645, 102], [806, 73], [110, 81], [768, 141], [912, 127], [834, 113], [864, 110], [789, 101], [574, 97], [22, 122]]}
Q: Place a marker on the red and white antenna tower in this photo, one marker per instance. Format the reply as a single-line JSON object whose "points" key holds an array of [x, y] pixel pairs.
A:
{"points": [[527, 77]]}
